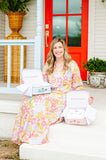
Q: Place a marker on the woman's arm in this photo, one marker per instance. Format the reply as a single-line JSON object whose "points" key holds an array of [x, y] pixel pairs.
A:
{"points": [[76, 78], [45, 76]]}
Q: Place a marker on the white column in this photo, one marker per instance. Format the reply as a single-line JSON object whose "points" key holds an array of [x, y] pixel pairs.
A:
{"points": [[91, 29], [38, 38]]}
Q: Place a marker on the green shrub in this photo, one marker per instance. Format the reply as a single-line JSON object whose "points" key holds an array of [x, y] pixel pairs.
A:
{"points": [[95, 65]]}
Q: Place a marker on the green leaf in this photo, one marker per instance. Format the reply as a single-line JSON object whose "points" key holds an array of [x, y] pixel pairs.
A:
{"points": [[14, 5], [22, 0], [95, 65]]}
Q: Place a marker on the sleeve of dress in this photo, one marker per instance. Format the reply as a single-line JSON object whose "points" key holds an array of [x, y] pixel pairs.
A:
{"points": [[45, 76], [76, 78]]}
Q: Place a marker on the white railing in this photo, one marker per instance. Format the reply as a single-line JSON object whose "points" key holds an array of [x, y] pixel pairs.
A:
{"points": [[10, 43]]}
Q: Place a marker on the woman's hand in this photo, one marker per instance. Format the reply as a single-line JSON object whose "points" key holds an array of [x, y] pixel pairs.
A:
{"points": [[90, 100], [21, 82]]}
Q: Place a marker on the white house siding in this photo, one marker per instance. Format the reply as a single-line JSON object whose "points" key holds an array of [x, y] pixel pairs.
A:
{"points": [[43, 32], [100, 30], [28, 30], [2, 33], [97, 29]]}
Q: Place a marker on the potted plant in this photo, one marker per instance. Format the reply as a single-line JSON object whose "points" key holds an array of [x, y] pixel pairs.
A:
{"points": [[15, 10], [96, 68]]}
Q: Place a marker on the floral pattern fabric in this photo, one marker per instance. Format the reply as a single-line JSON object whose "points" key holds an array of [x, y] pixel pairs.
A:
{"points": [[39, 112]]}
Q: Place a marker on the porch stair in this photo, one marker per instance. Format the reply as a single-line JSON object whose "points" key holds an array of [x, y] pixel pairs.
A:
{"points": [[69, 142], [9, 107], [66, 142]]}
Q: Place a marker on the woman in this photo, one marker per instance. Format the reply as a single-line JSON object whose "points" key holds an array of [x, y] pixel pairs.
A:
{"points": [[39, 112]]}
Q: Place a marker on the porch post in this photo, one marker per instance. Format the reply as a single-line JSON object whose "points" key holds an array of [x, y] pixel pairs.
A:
{"points": [[38, 38]]}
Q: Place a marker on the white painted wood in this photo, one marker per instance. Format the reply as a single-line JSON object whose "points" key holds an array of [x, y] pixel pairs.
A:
{"points": [[2, 33], [97, 29], [91, 28], [9, 43], [100, 30], [9, 67], [9, 90], [38, 38], [17, 42], [43, 33], [21, 60]]}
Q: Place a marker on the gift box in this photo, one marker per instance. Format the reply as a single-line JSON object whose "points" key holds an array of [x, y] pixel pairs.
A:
{"points": [[78, 111], [33, 83]]}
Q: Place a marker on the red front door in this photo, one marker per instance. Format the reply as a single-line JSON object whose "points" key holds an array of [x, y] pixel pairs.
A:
{"points": [[68, 19]]}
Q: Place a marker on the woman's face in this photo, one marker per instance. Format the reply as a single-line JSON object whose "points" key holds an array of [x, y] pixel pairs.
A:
{"points": [[58, 50]]}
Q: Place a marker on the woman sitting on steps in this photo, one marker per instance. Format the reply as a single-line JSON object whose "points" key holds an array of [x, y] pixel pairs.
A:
{"points": [[39, 112]]}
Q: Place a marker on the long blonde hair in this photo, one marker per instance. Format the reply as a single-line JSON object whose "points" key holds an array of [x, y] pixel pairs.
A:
{"points": [[51, 58]]}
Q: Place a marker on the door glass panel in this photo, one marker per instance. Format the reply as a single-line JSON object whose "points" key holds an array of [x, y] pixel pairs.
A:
{"points": [[59, 27], [59, 6], [74, 6], [74, 31]]}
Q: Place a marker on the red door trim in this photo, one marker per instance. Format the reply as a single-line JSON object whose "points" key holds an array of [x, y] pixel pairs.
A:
{"points": [[84, 54]]}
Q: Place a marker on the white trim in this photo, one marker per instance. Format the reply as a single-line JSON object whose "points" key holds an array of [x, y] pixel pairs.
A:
{"points": [[39, 18], [9, 90], [91, 28], [9, 67], [38, 38], [21, 60], [10, 43], [17, 42]]}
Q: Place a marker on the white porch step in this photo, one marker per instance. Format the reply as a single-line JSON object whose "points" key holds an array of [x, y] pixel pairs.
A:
{"points": [[8, 111], [67, 142]]}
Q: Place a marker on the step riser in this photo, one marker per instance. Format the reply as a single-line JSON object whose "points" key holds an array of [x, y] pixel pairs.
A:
{"points": [[6, 125], [8, 112], [53, 155]]}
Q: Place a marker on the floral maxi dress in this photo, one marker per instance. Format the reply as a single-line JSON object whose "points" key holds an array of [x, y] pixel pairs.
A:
{"points": [[39, 112]]}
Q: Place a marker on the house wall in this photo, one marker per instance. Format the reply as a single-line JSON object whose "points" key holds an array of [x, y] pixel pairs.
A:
{"points": [[43, 33], [100, 30], [28, 30], [97, 29], [2, 33]]}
